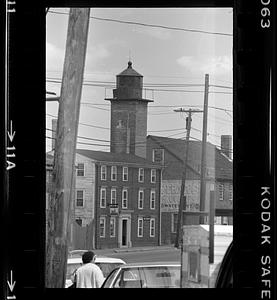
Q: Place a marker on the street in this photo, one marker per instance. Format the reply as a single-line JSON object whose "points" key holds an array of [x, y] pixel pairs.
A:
{"points": [[162, 253], [147, 254]]}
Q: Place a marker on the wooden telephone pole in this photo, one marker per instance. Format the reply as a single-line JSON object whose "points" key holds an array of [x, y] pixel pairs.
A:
{"points": [[204, 146], [182, 203], [65, 148]]}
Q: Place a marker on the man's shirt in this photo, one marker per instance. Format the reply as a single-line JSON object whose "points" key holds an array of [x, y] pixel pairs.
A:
{"points": [[89, 276]]}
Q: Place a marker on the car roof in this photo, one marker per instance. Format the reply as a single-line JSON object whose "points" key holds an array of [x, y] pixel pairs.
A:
{"points": [[99, 259], [152, 264]]}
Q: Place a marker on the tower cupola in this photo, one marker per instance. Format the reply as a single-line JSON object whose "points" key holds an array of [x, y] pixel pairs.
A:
{"points": [[128, 114]]}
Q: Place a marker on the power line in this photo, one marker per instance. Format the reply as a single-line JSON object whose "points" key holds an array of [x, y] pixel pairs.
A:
{"points": [[153, 25], [93, 126], [113, 83], [157, 90]]}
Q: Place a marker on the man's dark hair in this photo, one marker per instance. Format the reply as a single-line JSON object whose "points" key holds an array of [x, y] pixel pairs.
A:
{"points": [[87, 257]]}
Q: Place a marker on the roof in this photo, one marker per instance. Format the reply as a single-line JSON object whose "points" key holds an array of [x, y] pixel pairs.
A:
{"points": [[98, 259], [130, 71], [126, 158], [222, 164]]}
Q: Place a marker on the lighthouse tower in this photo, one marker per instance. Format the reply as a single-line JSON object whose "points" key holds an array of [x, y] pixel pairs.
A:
{"points": [[128, 114]]}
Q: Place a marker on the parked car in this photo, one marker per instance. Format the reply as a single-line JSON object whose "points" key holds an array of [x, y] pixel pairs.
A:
{"points": [[144, 275], [106, 264]]}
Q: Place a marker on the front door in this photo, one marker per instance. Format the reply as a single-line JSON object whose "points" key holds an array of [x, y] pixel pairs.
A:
{"points": [[124, 233]]}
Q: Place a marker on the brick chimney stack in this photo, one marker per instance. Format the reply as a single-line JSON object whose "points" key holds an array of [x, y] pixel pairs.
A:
{"points": [[226, 145]]}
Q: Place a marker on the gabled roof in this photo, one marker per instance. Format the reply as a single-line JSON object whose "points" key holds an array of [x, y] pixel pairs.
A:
{"points": [[108, 157], [126, 158], [177, 147]]}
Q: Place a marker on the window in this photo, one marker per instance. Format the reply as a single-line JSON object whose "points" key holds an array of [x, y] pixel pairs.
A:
{"points": [[113, 195], [158, 155], [112, 227], [230, 192], [141, 175], [153, 175], [152, 199], [103, 172], [174, 222], [80, 169], [103, 196], [79, 221], [140, 227], [113, 173], [152, 227], [125, 174], [221, 191], [124, 198], [79, 198], [102, 225], [140, 199]]}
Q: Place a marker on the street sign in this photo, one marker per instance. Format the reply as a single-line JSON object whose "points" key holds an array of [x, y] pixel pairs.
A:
{"points": [[113, 205]]}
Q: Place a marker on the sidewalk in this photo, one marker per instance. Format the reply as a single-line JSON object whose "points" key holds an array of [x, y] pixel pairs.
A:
{"points": [[134, 249]]}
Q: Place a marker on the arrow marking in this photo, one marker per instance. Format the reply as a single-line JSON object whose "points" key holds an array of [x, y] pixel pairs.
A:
{"points": [[11, 134], [12, 283]]}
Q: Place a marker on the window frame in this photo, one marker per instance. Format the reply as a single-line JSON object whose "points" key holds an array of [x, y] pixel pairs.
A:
{"points": [[155, 176], [114, 173], [103, 171], [105, 200], [162, 154], [113, 223], [152, 227], [125, 173], [83, 198], [140, 228], [230, 192], [220, 191], [141, 175], [173, 227], [140, 192], [78, 169], [123, 199], [152, 192], [113, 200], [102, 228]]}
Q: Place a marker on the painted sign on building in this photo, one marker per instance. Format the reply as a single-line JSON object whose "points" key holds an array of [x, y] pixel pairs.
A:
{"points": [[170, 195]]}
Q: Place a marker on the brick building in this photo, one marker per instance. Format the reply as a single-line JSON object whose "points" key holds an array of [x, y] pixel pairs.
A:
{"points": [[120, 193], [219, 177]]}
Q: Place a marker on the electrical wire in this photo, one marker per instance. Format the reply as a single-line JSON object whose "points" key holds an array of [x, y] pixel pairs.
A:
{"points": [[152, 25]]}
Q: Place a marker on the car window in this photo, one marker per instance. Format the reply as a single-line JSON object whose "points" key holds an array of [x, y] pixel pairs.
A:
{"points": [[161, 276], [107, 267], [128, 278]]}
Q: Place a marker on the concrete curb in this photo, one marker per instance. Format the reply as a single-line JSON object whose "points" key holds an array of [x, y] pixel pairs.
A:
{"points": [[142, 249]]}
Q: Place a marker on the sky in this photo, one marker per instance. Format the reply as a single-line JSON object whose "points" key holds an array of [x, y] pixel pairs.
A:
{"points": [[173, 48]]}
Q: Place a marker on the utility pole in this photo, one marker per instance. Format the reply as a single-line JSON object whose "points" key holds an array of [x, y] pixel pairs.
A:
{"points": [[182, 203], [204, 146], [66, 138]]}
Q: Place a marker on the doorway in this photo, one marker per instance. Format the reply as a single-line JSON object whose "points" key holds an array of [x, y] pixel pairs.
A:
{"points": [[124, 231]]}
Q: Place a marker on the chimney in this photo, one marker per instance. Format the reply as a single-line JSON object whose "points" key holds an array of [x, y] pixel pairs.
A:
{"points": [[226, 145]]}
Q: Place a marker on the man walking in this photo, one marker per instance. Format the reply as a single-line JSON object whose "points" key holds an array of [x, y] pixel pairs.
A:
{"points": [[89, 275]]}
